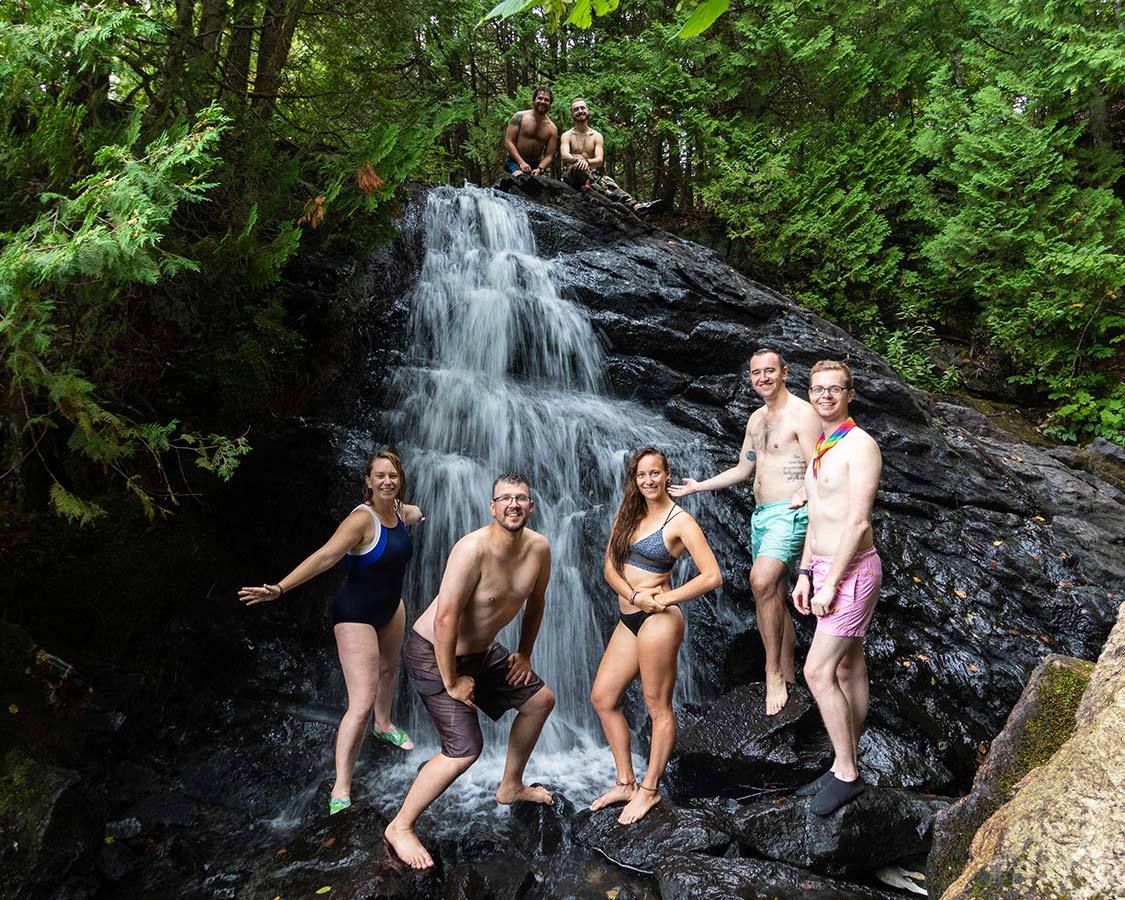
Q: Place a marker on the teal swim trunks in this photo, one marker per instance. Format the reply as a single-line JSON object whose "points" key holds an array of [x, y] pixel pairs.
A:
{"points": [[778, 531]]}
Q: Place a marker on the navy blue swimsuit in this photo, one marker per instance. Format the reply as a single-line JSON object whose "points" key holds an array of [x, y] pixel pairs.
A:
{"points": [[373, 588], [651, 554]]}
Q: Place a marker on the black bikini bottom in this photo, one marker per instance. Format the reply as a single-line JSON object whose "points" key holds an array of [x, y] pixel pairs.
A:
{"points": [[634, 621]]}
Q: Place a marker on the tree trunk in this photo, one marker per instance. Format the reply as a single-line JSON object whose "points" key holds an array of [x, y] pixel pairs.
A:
{"points": [[236, 71], [171, 79], [279, 24]]}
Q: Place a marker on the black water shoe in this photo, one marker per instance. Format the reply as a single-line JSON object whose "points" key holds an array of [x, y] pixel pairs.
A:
{"points": [[835, 794], [642, 209], [813, 787]]}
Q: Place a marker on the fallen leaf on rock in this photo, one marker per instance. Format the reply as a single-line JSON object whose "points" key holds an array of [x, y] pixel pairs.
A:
{"points": [[906, 663], [13, 709], [917, 580], [922, 656], [972, 667], [997, 543], [281, 852], [1038, 519], [324, 890], [330, 842], [611, 894], [982, 747], [960, 593]]}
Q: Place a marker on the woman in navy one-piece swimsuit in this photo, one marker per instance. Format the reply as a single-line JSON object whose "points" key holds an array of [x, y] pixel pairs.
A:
{"points": [[368, 616]]}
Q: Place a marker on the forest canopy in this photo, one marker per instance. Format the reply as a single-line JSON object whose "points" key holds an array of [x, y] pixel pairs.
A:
{"points": [[927, 176]]}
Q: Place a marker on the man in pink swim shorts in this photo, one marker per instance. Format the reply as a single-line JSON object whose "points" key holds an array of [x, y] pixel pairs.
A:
{"points": [[839, 578]]}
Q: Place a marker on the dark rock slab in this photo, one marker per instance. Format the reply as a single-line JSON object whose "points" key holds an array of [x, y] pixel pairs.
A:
{"points": [[694, 876], [345, 852], [640, 846], [737, 748], [878, 827]]}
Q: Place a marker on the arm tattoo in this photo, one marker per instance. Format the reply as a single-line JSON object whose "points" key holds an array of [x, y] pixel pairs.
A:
{"points": [[517, 120], [751, 456]]}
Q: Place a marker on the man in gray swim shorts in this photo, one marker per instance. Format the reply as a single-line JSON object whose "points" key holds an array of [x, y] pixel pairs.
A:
{"points": [[455, 663]]}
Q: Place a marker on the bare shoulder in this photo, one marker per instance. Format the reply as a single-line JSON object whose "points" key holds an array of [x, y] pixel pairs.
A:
{"points": [[471, 546], [755, 417], [597, 134], [537, 543], [803, 410], [683, 521], [411, 514], [568, 134], [864, 444], [551, 126]]}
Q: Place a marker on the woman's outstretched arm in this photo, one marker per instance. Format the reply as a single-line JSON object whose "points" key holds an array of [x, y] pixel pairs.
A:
{"points": [[347, 535]]}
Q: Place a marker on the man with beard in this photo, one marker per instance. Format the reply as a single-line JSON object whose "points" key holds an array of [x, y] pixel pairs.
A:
{"points": [[839, 578], [456, 665], [582, 149], [780, 439], [531, 137]]}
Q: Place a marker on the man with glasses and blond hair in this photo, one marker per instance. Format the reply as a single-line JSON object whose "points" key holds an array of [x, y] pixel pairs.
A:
{"points": [[839, 578], [456, 664], [778, 444]]}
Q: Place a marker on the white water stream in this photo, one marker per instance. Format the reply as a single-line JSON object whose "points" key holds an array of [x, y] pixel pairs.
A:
{"points": [[504, 374]]}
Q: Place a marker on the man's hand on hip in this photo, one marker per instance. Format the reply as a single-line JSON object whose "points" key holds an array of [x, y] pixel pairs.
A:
{"points": [[519, 669]]}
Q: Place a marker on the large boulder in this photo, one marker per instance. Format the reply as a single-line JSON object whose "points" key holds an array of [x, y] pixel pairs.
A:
{"points": [[1039, 724], [694, 876], [878, 827], [1062, 832]]}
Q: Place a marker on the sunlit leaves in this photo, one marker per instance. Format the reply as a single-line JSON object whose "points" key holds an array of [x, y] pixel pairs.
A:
{"points": [[703, 17]]}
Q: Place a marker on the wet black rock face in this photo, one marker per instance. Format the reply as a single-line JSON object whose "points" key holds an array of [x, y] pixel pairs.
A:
{"points": [[995, 552]]}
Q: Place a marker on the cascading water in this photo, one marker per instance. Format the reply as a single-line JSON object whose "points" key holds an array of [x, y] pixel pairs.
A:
{"points": [[503, 374]]}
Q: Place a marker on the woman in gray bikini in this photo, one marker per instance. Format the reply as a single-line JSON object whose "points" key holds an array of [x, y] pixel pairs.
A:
{"points": [[649, 534]]}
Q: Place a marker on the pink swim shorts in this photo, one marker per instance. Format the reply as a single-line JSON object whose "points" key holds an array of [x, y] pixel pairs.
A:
{"points": [[855, 597]]}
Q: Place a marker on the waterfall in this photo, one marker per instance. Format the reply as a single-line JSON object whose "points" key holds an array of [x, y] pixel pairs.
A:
{"points": [[501, 374]]}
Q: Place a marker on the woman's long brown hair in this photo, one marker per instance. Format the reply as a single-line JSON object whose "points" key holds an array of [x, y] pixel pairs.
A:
{"points": [[633, 506], [393, 459]]}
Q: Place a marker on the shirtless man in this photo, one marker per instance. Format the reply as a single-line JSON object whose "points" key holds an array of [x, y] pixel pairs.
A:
{"points": [[582, 149], [839, 578], [456, 665], [531, 137], [779, 441]]}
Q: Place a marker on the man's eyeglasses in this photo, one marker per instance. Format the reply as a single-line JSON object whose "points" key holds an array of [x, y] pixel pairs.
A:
{"points": [[508, 500], [834, 389]]}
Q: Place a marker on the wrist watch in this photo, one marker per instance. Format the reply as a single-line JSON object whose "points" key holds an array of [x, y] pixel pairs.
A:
{"points": [[807, 572]]}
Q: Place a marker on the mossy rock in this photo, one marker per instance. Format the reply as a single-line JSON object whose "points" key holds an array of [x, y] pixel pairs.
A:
{"points": [[1040, 723], [43, 827]]}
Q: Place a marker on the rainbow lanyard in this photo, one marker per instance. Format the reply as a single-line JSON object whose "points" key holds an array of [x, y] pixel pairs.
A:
{"points": [[824, 444]]}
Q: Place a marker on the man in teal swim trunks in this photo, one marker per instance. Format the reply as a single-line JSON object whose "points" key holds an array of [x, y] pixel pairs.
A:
{"points": [[780, 441]]}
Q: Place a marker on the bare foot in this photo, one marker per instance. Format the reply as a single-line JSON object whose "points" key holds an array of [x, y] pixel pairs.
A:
{"points": [[619, 793], [535, 793], [637, 808], [777, 694], [407, 847]]}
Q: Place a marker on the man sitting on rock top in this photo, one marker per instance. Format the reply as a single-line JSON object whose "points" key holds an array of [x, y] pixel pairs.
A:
{"points": [[583, 153], [531, 137], [839, 578]]}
